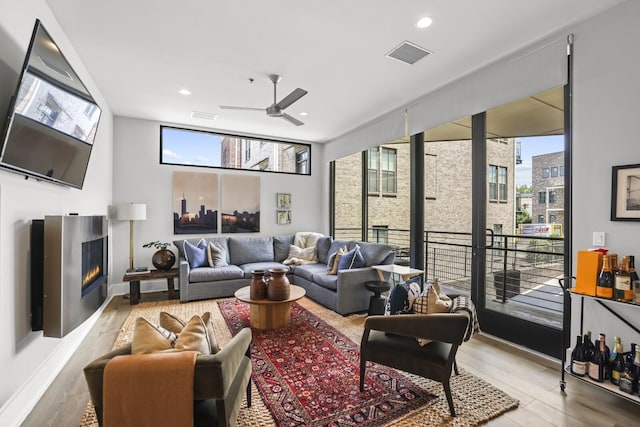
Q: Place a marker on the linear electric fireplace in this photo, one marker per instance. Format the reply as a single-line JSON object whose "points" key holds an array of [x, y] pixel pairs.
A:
{"points": [[74, 270]]}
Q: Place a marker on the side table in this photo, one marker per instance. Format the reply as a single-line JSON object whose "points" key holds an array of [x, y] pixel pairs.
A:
{"points": [[134, 280], [377, 301]]}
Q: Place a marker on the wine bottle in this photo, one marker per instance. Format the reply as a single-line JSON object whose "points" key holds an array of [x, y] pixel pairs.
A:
{"points": [[628, 380], [622, 281], [598, 362], [578, 360], [604, 288], [633, 275], [588, 347], [617, 361], [636, 364]]}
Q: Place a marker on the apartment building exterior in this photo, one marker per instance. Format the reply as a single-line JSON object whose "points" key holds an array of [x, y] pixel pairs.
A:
{"points": [[547, 184], [447, 183]]}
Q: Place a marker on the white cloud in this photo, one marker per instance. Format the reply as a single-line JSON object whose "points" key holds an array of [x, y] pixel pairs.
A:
{"points": [[170, 154]]}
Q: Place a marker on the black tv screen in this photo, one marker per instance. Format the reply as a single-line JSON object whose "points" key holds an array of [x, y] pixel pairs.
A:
{"points": [[52, 120]]}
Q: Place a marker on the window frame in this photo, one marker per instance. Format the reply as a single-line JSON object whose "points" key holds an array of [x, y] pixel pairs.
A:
{"points": [[245, 149], [380, 172], [546, 173]]}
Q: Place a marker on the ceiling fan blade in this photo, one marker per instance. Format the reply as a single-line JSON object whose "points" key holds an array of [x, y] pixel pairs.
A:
{"points": [[292, 119], [230, 107], [291, 98]]}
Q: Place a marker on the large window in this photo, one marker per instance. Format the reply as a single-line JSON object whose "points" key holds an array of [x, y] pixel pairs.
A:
{"points": [[552, 197], [497, 183], [189, 147], [382, 170]]}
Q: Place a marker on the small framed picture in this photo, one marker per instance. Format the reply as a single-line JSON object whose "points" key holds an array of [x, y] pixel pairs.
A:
{"points": [[625, 193], [284, 201], [284, 217]]}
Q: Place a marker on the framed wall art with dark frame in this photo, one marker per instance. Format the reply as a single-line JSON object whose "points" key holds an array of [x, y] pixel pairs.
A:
{"points": [[625, 193]]}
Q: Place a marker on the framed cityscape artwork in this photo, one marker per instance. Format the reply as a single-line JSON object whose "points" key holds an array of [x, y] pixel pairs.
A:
{"points": [[240, 204], [195, 203]]}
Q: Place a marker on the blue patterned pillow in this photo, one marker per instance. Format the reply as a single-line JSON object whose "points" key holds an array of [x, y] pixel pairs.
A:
{"points": [[196, 255], [352, 259]]}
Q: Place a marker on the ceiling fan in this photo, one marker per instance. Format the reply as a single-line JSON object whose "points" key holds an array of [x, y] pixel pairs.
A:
{"points": [[277, 108]]}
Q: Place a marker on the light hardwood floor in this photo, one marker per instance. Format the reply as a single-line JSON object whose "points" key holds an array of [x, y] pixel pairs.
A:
{"points": [[532, 379]]}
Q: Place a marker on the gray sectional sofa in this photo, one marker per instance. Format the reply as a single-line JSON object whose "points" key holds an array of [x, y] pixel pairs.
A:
{"points": [[343, 292]]}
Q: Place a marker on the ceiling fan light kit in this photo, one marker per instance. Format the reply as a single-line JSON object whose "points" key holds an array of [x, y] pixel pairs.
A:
{"points": [[277, 108]]}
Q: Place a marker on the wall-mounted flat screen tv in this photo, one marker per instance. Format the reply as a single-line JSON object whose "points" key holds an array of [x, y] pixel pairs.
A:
{"points": [[52, 119]]}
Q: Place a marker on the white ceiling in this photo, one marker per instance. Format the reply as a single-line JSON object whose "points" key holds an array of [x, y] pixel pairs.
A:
{"points": [[141, 52]]}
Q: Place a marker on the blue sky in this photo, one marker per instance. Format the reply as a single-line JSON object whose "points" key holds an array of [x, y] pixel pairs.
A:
{"points": [[533, 146], [190, 147]]}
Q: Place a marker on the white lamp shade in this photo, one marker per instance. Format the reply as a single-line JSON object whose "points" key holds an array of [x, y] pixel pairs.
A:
{"points": [[132, 211]]}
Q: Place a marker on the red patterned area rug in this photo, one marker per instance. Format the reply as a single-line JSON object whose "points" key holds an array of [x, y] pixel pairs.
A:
{"points": [[308, 374]]}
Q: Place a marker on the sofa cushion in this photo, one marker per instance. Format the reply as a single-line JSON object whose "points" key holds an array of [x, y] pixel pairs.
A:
{"points": [[352, 259], [252, 266], [196, 255], [307, 271], [223, 242], [325, 280], [299, 256], [209, 274], [398, 301], [194, 337], [281, 247], [176, 325], [216, 255], [374, 253], [323, 245], [335, 245], [243, 250], [334, 261], [432, 301], [148, 338]]}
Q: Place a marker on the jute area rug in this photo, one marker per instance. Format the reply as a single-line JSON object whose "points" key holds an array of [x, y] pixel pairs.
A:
{"points": [[476, 401]]}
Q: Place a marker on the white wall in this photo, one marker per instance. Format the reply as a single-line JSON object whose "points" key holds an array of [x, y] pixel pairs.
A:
{"points": [[29, 361], [606, 133], [141, 178]]}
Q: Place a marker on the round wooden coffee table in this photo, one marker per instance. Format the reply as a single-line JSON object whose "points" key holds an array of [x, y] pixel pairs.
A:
{"points": [[266, 314]]}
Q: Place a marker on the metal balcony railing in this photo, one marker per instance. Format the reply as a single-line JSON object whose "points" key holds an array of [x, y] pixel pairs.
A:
{"points": [[521, 270]]}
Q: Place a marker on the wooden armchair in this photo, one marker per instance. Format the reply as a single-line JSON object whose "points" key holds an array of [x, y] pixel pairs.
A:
{"points": [[219, 381], [391, 341]]}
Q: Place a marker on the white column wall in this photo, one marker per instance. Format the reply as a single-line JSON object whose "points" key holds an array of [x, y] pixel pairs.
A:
{"points": [[30, 361]]}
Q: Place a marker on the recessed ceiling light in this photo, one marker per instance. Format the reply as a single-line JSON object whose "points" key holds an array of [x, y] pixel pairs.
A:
{"points": [[424, 22], [184, 92], [304, 113]]}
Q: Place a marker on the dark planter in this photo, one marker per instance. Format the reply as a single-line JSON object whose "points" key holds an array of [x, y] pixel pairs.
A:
{"points": [[512, 285], [163, 259]]}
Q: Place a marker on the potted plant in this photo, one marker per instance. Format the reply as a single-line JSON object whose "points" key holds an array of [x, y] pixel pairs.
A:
{"points": [[163, 259]]}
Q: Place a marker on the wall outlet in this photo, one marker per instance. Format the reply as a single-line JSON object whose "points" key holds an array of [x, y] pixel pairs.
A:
{"points": [[598, 238]]}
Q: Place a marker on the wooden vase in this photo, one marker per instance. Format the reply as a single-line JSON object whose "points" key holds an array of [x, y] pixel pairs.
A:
{"points": [[258, 286], [278, 287], [163, 259]]}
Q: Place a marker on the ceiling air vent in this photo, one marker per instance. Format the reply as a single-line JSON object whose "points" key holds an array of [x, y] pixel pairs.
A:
{"points": [[408, 53], [202, 115]]}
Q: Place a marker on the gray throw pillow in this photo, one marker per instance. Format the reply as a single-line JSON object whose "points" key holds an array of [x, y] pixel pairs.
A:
{"points": [[216, 255]]}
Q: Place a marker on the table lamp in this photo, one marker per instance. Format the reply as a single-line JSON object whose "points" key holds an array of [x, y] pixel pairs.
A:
{"points": [[132, 212]]}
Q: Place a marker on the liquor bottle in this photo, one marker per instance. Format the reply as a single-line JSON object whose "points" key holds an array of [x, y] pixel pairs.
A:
{"points": [[628, 379], [617, 362], [578, 360], [598, 362], [604, 288], [636, 364], [607, 355], [633, 278], [588, 347], [622, 281]]}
